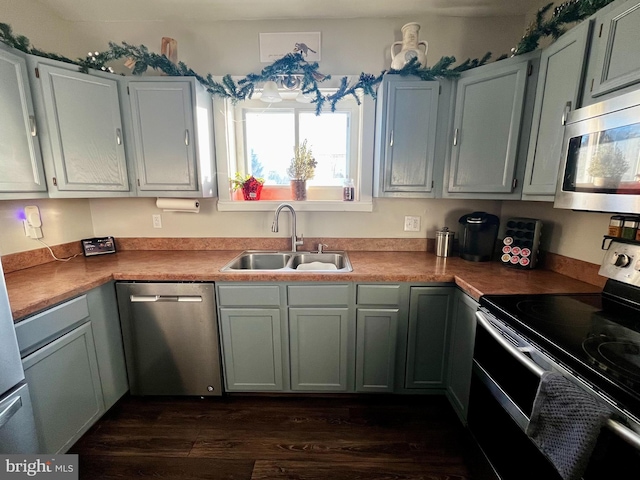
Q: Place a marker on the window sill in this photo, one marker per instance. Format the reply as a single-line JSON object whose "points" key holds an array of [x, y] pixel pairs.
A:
{"points": [[303, 206]]}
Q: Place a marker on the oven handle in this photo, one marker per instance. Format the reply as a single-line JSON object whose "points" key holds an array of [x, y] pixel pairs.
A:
{"points": [[622, 431]]}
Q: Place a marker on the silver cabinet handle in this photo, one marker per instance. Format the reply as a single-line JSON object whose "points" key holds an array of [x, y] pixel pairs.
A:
{"points": [[391, 139], [619, 429], [565, 114], [455, 136], [165, 298], [186, 137], [10, 411], [32, 125], [118, 136]]}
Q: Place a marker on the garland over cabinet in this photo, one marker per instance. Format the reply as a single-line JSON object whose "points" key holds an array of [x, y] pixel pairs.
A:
{"points": [[20, 160]]}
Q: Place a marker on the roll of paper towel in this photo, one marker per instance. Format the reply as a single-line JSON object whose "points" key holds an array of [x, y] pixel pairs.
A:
{"points": [[191, 205]]}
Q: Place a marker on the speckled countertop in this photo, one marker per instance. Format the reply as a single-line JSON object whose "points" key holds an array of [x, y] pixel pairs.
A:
{"points": [[36, 288]]}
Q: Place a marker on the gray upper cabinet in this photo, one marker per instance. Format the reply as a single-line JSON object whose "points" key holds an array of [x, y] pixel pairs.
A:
{"points": [[20, 160], [407, 113], [557, 92], [172, 134], [85, 134], [489, 106], [615, 63], [429, 310]]}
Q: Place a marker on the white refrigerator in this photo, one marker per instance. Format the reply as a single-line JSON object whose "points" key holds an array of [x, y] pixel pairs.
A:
{"points": [[17, 426]]}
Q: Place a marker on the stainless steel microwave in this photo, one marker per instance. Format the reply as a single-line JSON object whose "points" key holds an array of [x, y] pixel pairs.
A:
{"points": [[600, 170]]}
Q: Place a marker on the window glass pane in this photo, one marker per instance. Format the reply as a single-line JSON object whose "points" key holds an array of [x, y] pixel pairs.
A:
{"points": [[328, 137], [270, 137]]}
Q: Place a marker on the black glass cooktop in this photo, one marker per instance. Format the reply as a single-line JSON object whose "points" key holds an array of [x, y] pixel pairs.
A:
{"points": [[600, 345]]}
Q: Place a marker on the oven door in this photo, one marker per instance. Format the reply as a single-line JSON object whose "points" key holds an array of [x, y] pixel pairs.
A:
{"points": [[506, 374]]}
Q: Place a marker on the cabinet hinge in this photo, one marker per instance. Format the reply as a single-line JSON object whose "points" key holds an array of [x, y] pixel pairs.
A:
{"points": [[600, 33], [529, 70], [514, 184], [591, 89], [37, 72], [55, 182], [439, 89], [128, 92], [138, 182], [432, 183]]}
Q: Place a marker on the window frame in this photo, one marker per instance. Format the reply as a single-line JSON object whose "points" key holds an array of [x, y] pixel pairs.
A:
{"points": [[226, 118]]}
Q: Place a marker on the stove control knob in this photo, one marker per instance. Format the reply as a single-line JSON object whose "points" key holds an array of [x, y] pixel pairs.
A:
{"points": [[620, 260]]}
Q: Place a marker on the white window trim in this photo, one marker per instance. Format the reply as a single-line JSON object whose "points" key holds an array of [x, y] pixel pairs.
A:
{"points": [[225, 114]]}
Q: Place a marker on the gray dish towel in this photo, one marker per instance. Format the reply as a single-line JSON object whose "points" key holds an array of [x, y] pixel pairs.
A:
{"points": [[565, 423]]}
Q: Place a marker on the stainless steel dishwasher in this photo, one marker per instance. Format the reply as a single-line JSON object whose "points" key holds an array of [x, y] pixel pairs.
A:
{"points": [[170, 335]]}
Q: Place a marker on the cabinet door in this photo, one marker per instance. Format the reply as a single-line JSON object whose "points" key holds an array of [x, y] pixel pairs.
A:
{"points": [[319, 347], [463, 331], [105, 322], [84, 123], [65, 388], [427, 340], [558, 89], [20, 160], [164, 135], [487, 123], [406, 141], [376, 338], [251, 345], [617, 45]]}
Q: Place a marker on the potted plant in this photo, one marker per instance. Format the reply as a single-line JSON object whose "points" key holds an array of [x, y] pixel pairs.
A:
{"points": [[251, 186], [607, 165], [301, 169]]}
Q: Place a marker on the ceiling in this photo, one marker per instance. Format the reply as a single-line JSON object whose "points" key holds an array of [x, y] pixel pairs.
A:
{"points": [[219, 10]]}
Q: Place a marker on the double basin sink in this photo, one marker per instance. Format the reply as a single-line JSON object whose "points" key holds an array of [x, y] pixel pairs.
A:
{"points": [[290, 262]]}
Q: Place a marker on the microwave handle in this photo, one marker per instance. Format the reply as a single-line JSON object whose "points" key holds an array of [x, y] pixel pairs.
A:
{"points": [[565, 113], [628, 435]]}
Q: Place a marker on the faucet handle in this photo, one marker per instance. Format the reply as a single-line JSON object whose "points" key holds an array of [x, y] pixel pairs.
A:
{"points": [[321, 246], [299, 241]]}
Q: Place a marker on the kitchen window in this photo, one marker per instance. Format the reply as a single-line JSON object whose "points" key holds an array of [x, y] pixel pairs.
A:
{"points": [[256, 138]]}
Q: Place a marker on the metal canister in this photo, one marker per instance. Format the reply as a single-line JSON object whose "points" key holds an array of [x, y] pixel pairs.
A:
{"points": [[444, 242]]}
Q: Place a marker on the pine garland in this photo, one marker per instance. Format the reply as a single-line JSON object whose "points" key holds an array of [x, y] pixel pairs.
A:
{"points": [[294, 67]]}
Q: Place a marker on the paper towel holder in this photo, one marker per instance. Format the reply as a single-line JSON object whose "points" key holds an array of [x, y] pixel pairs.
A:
{"points": [[187, 205]]}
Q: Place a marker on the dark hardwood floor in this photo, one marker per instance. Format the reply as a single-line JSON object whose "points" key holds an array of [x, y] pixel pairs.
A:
{"points": [[297, 438]]}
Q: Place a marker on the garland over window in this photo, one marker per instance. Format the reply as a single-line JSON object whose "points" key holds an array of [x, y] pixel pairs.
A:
{"points": [[294, 64]]}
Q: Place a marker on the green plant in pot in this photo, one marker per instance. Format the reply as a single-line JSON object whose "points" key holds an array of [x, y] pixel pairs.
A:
{"points": [[251, 186], [607, 165], [301, 169]]}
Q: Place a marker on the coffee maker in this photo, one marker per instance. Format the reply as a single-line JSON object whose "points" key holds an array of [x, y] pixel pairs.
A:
{"points": [[478, 236]]}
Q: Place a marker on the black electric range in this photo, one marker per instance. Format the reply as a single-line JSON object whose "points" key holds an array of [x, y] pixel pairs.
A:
{"points": [[591, 335]]}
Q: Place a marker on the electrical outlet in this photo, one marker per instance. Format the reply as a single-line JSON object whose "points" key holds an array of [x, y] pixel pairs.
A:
{"points": [[411, 224], [157, 221]]}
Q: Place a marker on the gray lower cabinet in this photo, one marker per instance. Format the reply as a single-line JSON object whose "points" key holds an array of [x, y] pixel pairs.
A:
{"points": [[64, 381], [463, 329], [252, 351], [557, 93], [319, 344], [407, 113], [85, 150], [105, 321], [20, 159], [376, 345], [488, 120], [429, 313], [614, 62]]}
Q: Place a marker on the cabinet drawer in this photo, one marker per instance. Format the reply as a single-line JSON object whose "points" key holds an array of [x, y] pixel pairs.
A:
{"points": [[378, 294], [249, 295], [318, 295], [40, 329]]}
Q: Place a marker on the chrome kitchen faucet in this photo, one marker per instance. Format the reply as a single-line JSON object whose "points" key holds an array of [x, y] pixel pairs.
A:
{"points": [[274, 227]]}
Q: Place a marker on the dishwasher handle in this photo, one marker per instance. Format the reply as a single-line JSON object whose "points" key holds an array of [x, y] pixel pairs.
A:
{"points": [[164, 298]]}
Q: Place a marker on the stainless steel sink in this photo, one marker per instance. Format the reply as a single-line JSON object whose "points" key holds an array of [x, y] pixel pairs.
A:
{"points": [[251, 260]]}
